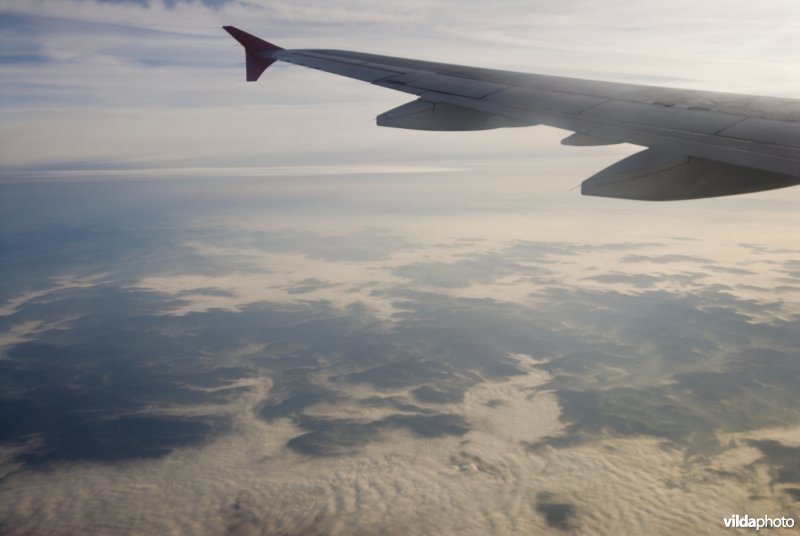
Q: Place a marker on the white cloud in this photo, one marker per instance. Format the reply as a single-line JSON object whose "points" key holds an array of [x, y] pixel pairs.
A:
{"points": [[248, 482], [262, 274]]}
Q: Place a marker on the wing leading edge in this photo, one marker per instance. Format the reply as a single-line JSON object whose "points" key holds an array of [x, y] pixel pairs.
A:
{"points": [[699, 143]]}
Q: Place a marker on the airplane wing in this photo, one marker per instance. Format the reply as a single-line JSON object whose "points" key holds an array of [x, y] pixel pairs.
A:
{"points": [[698, 143]]}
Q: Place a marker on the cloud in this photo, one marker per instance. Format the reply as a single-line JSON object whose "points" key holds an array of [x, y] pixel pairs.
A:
{"points": [[783, 459], [309, 285], [464, 272], [637, 280], [466, 361], [793, 268], [298, 407], [558, 515], [370, 331], [664, 259]]}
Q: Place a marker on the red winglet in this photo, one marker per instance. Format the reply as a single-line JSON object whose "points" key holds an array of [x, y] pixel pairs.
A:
{"points": [[253, 48]]}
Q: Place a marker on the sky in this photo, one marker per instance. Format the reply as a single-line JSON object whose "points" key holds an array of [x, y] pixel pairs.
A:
{"points": [[149, 87], [243, 308]]}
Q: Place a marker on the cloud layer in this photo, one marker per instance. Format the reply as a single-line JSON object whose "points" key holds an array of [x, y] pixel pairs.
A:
{"points": [[243, 309], [277, 367]]}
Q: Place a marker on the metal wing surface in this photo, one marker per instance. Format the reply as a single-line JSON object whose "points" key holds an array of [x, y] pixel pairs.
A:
{"points": [[698, 143]]}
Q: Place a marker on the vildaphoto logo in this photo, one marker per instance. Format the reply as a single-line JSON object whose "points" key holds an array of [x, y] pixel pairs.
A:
{"points": [[764, 522]]}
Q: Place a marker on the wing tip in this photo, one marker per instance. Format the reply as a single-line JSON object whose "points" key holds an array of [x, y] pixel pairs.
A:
{"points": [[254, 49], [250, 42]]}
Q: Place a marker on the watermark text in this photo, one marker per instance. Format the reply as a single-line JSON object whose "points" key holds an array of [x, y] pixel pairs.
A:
{"points": [[764, 522]]}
